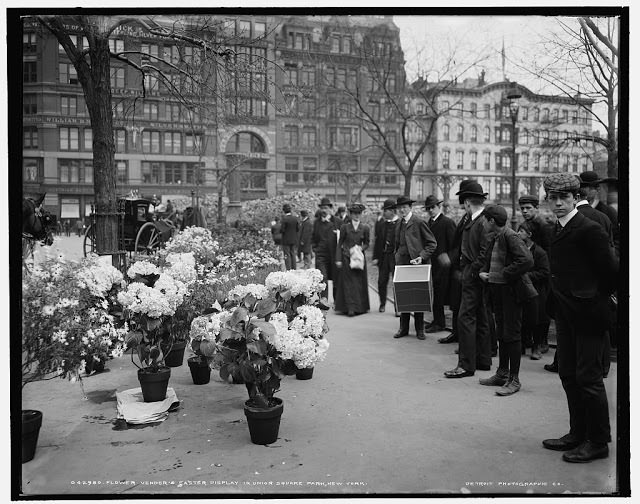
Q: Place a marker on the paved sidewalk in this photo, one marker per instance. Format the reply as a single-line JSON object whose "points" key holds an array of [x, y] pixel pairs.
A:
{"points": [[378, 417]]}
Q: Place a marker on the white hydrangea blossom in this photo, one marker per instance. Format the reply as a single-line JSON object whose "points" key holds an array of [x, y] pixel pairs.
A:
{"points": [[258, 291], [309, 321], [98, 277], [300, 282], [142, 268], [161, 299]]}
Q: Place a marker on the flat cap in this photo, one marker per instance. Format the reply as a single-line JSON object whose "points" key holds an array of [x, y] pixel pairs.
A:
{"points": [[528, 198], [497, 213], [561, 182]]}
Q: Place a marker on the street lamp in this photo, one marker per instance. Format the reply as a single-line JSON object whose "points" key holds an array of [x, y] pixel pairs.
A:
{"points": [[513, 97]]}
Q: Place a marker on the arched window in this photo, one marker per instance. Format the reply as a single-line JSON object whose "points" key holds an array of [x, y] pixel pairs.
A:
{"points": [[445, 132], [474, 134], [243, 154]]}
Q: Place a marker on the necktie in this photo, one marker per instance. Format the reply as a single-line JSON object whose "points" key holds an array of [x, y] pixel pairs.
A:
{"points": [[558, 227]]}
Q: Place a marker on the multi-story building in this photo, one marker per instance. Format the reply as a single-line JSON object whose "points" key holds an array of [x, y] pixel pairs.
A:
{"points": [[473, 138]]}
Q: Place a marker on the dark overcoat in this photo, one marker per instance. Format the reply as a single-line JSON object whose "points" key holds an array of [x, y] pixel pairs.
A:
{"points": [[304, 240], [444, 230], [419, 238]]}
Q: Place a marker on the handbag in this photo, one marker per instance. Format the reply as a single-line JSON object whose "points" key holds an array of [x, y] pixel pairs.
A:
{"points": [[356, 258]]}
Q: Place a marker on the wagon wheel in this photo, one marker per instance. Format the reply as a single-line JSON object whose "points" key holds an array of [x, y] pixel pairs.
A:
{"points": [[148, 239], [89, 243]]}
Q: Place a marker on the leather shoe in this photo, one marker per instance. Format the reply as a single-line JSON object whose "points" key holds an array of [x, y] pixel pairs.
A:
{"points": [[452, 338], [400, 334], [434, 328], [551, 367], [587, 452], [420, 336], [566, 442], [481, 367], [381, 309], [458, 372]]}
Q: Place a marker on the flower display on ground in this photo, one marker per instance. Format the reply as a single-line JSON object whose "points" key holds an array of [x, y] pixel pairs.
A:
{"points": [[258, 291], [307, 283], [67, 321], [197, 241]]}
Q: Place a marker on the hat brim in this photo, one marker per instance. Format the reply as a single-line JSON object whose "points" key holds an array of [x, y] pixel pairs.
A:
{"points": [[592, 183], [325, 204], [432, 204], [472, 193], [389, 207], [408, 202]]}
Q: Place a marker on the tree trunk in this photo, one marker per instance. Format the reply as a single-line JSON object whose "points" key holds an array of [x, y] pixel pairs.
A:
{"points": [[97, 91], [408, 177]]}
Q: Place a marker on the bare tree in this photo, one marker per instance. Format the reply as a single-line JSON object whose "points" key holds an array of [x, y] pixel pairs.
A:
{"points": [[582, 63], [201, 42]]}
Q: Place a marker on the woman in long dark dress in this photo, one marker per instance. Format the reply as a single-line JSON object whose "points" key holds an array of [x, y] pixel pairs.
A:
{"points": [[352, 292]]}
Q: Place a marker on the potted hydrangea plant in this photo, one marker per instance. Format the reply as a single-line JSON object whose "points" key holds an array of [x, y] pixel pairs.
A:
{"points": [[149, 302]]}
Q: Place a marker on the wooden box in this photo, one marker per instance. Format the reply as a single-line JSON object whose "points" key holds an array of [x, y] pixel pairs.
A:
{"points": [[413, 290]]}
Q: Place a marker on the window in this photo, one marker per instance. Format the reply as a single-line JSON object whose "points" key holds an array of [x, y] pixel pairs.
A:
{"points": [[150, 50], [460, 133], [445, 132], [498, 134], [545, 115], [172, 112], [120, 140], [244, 29], [116, 45], [474, 160], [310, 167], [487, 161], [173, 173], [329, 76], [88, 139], [506, 162], [391, 83], [30, 138], [374, 110], [341, 78], [536, 137], [29, 104], [374, 167], [536, 114], [117, 79], [565, 162], [574, 117], [67, 74], [291, 76], [392, 139], [308, 137], [69, 139], [565, 116], [445, 160], [308, 107], [525, 136], [122, 172], [474, 109], [506, 114], [536, 162], [150, 111], [460, 160], [291, 136], [346, 45], [335, 44], [545, 162], [524, 158], [545, 137], [554, 116], [151, 172], [151, 142], [444, 107], [31, 170], [28, 42], [69, 170], [503, 189], [498, 158], [150, 81], [172, 142], [585, 163], [584, 117], [308, 76], [291, 170], [192, 144], [194, 173], [259, 29], [68, 105], [390, 179], [487, 134], [525, 113], [506, 134], [30, 71], [487, 111]]}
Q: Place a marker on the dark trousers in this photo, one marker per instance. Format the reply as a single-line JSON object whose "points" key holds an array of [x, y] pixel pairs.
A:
{"points": [[289, 256], [440, 287], [325, 265], [386, 266], [455, 295], [473, 332], [405, 318], [581, 332], [491, 323]]}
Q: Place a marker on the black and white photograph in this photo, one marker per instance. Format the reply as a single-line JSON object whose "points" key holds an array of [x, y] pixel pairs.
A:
{"points": [[318, 251]]}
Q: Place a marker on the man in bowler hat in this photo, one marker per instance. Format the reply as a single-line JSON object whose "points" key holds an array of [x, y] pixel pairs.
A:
{"points": [[324, 242], [384, 248], [414, 245], [583, 274], [443, 229], [473, 330]]}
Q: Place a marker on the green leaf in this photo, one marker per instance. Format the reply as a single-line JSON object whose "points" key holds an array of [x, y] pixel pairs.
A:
{"points": [[154, 352], [248, 373], [286, 295], [241, 314], [195, 346], [153, 323], [249, 301], [265, 327], [224, 373], [133, 338], [227, 333]]}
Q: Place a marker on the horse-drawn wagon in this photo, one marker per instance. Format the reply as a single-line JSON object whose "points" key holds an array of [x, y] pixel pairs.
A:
{"points": [[139, 229]]}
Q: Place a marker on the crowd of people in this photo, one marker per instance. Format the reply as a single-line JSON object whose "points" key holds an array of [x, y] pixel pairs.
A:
{"points": [[503, 284]]}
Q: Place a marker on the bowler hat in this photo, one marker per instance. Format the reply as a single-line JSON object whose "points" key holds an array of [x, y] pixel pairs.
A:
{"points": [[528, 198], [497, 213], [472, 188], [325, 202], [464, 184], [589, 178], [389, 204], [612, 182], [356, 207], [404, 200], [431, 201]]}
